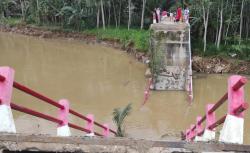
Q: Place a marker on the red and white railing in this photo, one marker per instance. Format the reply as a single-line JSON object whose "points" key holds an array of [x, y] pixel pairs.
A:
{"points": [[232, 130], [6, 119]]}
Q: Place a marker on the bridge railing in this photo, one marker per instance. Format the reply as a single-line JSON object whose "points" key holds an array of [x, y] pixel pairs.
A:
{"points": [[233, 127], [6, 119]]}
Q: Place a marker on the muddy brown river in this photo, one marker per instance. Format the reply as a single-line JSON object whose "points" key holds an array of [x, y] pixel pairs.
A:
{"points": [[97, 79]]}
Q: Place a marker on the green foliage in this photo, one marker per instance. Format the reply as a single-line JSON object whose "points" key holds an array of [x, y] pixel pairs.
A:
{"points": [[119, 114], [241, 51], [4, 5], [139, 38], [11, 21], [232, 50]]}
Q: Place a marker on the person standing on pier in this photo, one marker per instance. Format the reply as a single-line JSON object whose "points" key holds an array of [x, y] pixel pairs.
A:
{"points": [[178, 14], [158, 12], [156, 15], [186, 15]]}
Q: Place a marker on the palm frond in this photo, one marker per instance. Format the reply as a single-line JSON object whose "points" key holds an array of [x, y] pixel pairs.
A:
{"points": [[125, 112], [119, 115]]}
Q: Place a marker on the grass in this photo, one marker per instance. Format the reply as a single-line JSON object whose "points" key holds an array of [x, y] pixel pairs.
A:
{"points": [[232, 50], [11, 21], [139, 38]]}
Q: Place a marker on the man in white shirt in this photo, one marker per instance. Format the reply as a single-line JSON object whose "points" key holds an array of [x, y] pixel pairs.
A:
{"points": [[186, 15]]}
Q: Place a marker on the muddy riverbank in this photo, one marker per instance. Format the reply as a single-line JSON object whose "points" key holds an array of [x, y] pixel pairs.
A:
{"points": [[200, 64]]}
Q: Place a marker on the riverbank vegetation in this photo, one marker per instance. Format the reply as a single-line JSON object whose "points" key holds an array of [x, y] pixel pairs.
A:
{"points": [[119, 115], [219, 27], [136, 38]]}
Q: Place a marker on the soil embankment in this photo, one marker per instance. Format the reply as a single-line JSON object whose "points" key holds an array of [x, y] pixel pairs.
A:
{"points": [[200, 64], [220, 65]]}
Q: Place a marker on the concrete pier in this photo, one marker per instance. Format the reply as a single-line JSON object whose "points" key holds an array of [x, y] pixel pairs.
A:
{"points": [[171, 56]]}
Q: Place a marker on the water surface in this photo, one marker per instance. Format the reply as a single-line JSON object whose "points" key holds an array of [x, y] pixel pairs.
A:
{"points": [[97, 79]]}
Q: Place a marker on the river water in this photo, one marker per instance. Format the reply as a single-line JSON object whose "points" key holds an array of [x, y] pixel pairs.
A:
{"points": [[97, 79]]}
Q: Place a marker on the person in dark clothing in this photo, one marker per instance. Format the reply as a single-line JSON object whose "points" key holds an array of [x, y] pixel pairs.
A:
{"points": [[157, 21]]}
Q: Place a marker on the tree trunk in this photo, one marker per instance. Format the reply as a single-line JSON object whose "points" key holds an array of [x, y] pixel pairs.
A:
{"points": [[247, 29], [37, 15], [217, 27], [115, 16], [129, 14], [221, 24], [241, 20], [22, 8], [120, 9], [103, 17], [98, 16], [109, 14], [226, 11], [143, 11], [205, 20], [230, 20]]}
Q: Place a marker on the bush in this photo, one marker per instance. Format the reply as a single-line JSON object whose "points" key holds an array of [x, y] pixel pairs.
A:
{"points": [[11, 21], [241, 51], [139, 38], [234, 50]]}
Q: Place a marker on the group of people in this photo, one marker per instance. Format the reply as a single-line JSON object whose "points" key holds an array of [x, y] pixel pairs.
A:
{"points": [[178, 16]]}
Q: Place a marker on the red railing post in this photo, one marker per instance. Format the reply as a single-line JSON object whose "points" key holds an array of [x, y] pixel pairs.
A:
{"points": [[233, 128], [106, 131], [192, 132], [198, 128], [187, 135], [209, 134], [63, 114], [90, 123], [6, 86]]}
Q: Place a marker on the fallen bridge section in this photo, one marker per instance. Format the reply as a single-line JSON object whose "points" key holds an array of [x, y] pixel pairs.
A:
{"points": [[10, 143]]}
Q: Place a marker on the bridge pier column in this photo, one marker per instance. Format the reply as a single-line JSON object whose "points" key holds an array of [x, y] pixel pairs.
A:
{"points": [[209, 134], [63, 129], [6, 86], [233, 128]]}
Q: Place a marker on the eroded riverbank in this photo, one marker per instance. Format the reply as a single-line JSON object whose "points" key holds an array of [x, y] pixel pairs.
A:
{"points": [[200, 64]]}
